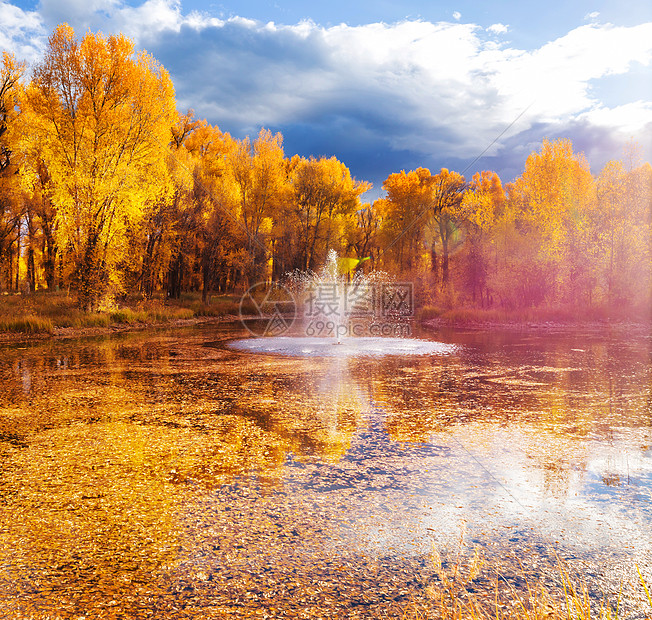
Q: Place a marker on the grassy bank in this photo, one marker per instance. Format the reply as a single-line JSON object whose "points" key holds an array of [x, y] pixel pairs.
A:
{"points": [[46, 312], [559, 315]]}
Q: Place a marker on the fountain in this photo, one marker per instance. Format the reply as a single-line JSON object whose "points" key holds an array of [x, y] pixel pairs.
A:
{"points": [[361, 314], [323, 347]]}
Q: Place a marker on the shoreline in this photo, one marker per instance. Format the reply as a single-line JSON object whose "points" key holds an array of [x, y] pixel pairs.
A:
{"points": [[70, 333], [436, 324], [540, 326], [637, 326]]}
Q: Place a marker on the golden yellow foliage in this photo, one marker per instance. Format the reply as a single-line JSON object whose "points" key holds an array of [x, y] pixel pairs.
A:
{"points": [[102, 118]]}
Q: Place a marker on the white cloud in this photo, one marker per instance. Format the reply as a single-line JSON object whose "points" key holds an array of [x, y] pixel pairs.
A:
{"points": [[628, 119], [152, 17], [457, 15], [498, 28], [442, 89], [21, 32], [591, 16], [554, 79]]}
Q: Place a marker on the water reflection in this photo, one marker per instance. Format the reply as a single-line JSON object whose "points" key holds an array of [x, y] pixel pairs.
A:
{"points": [[165, 473]]}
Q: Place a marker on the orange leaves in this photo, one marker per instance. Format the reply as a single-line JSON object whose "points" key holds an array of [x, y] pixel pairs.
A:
{"points": [[409, 194], [484, 202], [404, 214], [10, 206], [448, 190], [415, 200], [555, 183]]}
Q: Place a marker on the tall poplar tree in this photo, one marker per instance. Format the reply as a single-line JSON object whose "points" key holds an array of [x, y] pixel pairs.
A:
{"points": [[102, 114]]}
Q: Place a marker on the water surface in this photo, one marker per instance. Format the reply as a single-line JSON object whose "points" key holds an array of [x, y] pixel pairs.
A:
{"points": [[164, 474]]}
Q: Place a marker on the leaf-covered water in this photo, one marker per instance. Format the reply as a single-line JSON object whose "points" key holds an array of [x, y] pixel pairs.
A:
{"points": [[163, 475]]}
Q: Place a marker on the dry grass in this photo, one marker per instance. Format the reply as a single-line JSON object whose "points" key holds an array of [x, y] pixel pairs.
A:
{"points": [[540, 315], [28, 324], [43, 311], [450, 598]]}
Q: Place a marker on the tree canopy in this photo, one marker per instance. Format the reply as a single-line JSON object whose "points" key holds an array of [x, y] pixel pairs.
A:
{"points": [[107, 189]]}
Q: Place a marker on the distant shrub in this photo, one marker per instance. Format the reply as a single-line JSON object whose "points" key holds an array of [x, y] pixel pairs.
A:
{"points": [[428, 312]]}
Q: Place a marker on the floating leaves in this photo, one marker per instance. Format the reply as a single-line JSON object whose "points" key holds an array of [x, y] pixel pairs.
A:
{"points": [[155, 476]]}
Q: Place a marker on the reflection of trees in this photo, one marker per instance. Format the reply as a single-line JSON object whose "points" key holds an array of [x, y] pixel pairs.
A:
{"points": [[547, 387], [317, 416], [548, 405], [118, 448]]}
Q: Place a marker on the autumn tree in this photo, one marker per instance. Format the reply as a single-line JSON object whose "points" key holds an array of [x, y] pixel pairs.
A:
{"points": [[102, 115], [171, 226], [10, 75], [447, 193], [553, 198], [220, 234], [258, 171], [404, 214], [623, 232], [10, 209], [362, 233], [323, 195], [482, 210]]}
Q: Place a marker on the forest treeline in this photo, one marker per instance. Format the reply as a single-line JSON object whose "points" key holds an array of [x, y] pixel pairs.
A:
{"points": [[105, 188]]}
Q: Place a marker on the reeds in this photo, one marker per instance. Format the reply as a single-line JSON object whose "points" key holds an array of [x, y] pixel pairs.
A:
{"points": [[450, 598]]}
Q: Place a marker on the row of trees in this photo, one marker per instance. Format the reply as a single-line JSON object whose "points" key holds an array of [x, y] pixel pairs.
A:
{"points": [[557, 235], [106, 188]]}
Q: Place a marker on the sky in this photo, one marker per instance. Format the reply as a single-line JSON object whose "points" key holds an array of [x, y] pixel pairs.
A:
{"points": [[386, 86]]}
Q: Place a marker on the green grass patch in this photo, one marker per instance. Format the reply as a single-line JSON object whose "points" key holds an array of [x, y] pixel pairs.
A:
{"points": [[128, 316], [94, 319]]}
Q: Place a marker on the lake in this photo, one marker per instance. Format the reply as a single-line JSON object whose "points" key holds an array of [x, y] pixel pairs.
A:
{"points": [[163, 474]]}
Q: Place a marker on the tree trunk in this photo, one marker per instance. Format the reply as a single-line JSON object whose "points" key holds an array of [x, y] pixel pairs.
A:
{"points": [[49, 261], [175, 273], [147, 275], [444, 262], [433, 263], [206, 276], [10, 273], [31, 269], [92, 284], [61, 271]]}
